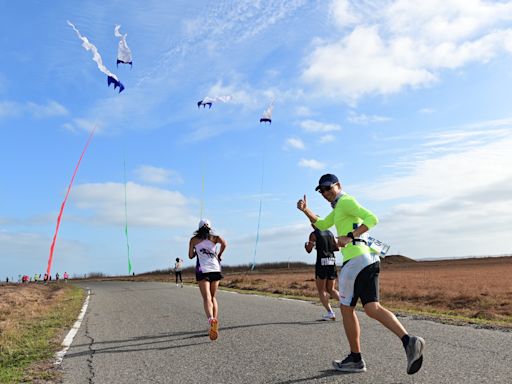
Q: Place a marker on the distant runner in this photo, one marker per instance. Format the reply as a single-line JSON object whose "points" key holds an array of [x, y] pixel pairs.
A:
{"points": [[325, 267], [208, 270], [178, 267], [359, 276]]}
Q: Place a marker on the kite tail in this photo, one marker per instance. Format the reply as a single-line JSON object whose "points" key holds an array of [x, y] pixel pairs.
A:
{"points": [[126, 222], [52, 247]]}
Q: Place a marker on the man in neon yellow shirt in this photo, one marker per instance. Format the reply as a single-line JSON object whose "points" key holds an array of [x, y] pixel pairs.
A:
{"points": [[359, 276]]}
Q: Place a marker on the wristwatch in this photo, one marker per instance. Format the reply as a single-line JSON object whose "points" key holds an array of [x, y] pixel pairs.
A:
{"points": [[351, 235]]}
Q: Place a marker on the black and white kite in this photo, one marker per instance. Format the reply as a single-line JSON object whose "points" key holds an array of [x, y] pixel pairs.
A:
{"points": [[208, 101], [111, 78], [124, 54], [267, 114]]}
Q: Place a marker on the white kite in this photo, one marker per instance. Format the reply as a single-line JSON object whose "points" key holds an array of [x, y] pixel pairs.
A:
{"points": [[267, 114], [208, 101], [111, 78], [124, 54]]}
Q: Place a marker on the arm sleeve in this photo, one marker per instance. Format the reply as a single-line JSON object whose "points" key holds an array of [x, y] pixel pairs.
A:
{"points": [[323, 224], [352, 207]]}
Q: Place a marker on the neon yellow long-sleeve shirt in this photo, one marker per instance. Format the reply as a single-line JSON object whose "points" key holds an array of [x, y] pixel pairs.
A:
{"points": [[347, 215]]}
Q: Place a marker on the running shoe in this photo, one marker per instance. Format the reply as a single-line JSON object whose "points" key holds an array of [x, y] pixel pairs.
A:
{"points": [[348, 365], [329, 316], [414, 352], [214, 329]]}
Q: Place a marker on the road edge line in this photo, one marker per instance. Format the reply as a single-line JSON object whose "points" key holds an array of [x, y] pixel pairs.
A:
{"points": [[66, 343]]}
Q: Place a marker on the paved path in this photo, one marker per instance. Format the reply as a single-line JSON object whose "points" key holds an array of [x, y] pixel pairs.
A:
{"points": [[137, 332]]}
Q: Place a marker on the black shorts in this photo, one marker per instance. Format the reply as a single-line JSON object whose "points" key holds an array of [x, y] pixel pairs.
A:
{"points": [[209, 276], [366, 286], [324, 272]]}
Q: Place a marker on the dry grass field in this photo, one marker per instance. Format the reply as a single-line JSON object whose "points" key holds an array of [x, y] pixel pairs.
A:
{"points": [[470, 288], [475, 289]]}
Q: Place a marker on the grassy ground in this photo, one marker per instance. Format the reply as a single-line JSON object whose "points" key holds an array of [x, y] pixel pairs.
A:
{"points": [[33, 321]]}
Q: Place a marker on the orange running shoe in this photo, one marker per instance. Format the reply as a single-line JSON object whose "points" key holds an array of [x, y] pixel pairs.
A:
{"points": [[214, 329]]}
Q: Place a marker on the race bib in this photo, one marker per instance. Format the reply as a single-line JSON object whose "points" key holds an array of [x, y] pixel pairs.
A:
{"points": [[328, 261], [378, 246]]}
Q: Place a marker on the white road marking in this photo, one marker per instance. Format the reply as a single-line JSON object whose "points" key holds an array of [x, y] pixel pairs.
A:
{"points": [[72, 332]]}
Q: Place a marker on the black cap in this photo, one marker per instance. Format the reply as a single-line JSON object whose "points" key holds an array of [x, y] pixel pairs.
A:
{"points": [[327, 180]]}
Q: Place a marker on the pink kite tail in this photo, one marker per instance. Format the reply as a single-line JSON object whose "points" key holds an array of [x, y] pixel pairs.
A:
{"points": [[50, 259]]}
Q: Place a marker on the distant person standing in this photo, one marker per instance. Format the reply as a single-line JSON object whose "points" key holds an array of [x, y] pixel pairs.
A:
{"points": [[66, 277], [57, 276], [203, 246], [325, 267], [178, 268], [359, 276]]}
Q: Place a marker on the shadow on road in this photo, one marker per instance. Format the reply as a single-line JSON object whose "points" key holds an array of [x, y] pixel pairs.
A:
{"points": [[140, 343], [322, 375]]}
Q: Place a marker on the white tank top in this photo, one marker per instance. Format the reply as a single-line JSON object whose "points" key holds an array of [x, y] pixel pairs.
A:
{"points": [[207, 257]]}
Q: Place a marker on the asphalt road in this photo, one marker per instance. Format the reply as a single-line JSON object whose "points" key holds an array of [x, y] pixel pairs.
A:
{"points": [[136, 332]]}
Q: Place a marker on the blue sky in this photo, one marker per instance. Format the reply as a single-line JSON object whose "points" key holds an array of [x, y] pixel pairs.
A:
{"points": [[408, 102]]}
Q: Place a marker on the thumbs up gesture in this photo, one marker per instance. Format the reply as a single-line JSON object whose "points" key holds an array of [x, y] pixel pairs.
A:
{"points": [[302, 204]]}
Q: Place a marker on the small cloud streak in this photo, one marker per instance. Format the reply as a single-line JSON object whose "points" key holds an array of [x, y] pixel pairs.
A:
{"points": [[327, 139], [294, 143], [38, 111], [311, 163], [362, 119], [157, 175], [317, 126]]}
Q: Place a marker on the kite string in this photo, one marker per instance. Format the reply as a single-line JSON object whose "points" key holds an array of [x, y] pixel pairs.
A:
{"points": [[259, 211], [59, 217], [202, 187], [126, 220]]}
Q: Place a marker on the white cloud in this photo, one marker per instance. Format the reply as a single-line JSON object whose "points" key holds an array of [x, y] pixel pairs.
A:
{"points": [[405, 44], [317, 126], [38, 111], [147, 206], [303, 111], [343, 13], [311, 163], [457, 183], [294, 143], [50, 109], [363, 119], [80, 124], [426, 111], [327, 139], [158, 175]]}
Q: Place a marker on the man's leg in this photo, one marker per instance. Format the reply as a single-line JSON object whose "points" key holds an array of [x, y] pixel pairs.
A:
{"points": [[322, 293], [385, 317], [351, 327]]}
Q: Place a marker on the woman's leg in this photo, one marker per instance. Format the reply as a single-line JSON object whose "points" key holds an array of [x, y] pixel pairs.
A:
{"points": [[204, 287], [214, 285]]}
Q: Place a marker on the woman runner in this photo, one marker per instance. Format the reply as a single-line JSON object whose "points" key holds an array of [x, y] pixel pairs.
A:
{"points": [[203, 245]]}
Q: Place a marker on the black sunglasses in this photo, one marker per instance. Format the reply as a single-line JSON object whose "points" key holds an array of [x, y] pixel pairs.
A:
{"points": [[322, 189]]}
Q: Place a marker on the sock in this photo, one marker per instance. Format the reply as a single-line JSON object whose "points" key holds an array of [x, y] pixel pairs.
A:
{"points": [[405, 340], [356, 356]]}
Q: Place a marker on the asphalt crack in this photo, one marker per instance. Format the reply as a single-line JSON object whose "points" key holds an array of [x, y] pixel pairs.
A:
{"points": [[92, 351]]}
